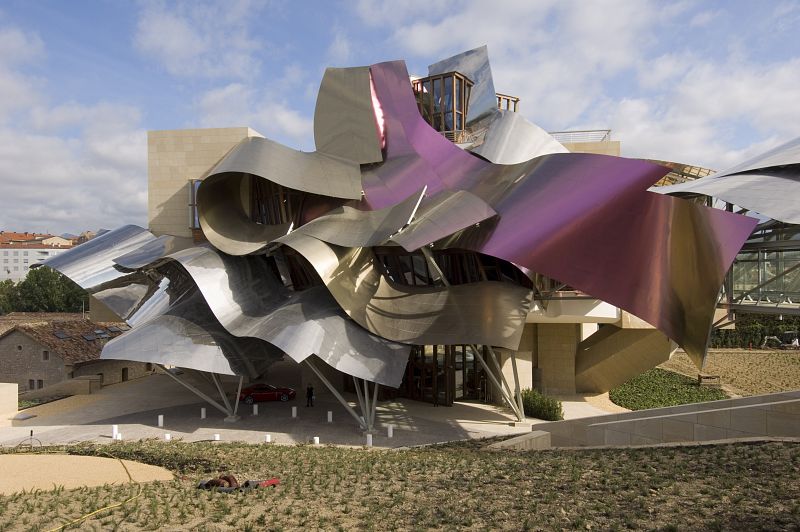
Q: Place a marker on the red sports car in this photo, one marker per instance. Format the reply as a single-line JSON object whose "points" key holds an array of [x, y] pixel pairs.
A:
{"points": [[265, 392]]}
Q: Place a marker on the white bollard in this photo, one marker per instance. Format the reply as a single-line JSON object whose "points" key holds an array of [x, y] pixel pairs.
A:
{"points": [[255, 410], [161, 420], [330, 416], [268, 438], [114, 431], [167, 436], [369, 440], [119, 436], [294, 411], [390, 431], [202, 413], [316, 440], [216, 437]]}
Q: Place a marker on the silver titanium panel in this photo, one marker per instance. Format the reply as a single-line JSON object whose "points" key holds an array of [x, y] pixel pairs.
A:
{"points": [[91, 264], [344, 120], [249, 301], [773, 193], [442, 215], [312, 172], [785, 154], [153, 250], [349, 227], [172, 341], [490, 313], [222, 205], [475, 65], [510, 139], [123, 300]]}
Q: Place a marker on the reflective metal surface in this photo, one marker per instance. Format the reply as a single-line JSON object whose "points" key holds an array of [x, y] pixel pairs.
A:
{"points": [[785, 154], [490, 313], [91, 264], [152, 250], [475, 65], [569, 216], [314, 172], [510, 139], [223, 210], [441, 216], [350, 227], [344, 120], [768, 184], [249, 301]]}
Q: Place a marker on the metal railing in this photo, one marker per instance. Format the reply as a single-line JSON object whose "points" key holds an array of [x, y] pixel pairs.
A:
{"points": [[586, 135]]}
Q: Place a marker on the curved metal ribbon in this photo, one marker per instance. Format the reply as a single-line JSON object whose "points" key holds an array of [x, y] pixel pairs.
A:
{"points": [[487, 312], [586, 220]]}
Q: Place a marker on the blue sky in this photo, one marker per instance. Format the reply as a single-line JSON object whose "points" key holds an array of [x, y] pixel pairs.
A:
{"points": [[707, 83]]}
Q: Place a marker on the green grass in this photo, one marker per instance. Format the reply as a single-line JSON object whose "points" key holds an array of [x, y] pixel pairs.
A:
{"points": [[446, 487], [659, 388]]}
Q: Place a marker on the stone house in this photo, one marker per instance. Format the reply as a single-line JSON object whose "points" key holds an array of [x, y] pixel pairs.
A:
{"points": [[39, 350]]}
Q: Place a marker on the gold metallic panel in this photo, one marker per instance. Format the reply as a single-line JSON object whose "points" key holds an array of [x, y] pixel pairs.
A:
{"points": [[489, 313], [222, 205], [315, 172], [344, 120]]}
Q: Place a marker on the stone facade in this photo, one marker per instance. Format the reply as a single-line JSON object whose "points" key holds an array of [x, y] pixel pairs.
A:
{"points": [[23, 362], [174, 159]]}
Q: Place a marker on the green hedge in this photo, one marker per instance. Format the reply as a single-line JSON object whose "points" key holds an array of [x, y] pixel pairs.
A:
{"points": [[540, 406], [659, 388], [751, 329]]}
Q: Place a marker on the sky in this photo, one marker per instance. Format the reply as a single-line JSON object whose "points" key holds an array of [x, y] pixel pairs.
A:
{"points": [[81, 82]]}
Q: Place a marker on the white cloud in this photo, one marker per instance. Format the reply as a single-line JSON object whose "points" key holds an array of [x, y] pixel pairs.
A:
{"points": [[340, 49], [201, 39], [704, 18], [270, 112], [68, 166]]}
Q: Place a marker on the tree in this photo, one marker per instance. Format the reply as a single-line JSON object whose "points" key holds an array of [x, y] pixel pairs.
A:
{"points": [[46, 290], [7, 294]]}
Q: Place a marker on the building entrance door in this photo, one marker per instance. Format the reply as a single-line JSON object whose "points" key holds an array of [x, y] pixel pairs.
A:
{"points": [[441, 374]]}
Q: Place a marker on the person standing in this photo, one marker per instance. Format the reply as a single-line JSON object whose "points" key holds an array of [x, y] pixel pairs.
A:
{"points": [[310, 396]]}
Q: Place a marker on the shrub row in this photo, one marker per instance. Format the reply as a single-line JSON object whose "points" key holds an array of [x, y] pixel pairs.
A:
{"points": [[540, 406]]}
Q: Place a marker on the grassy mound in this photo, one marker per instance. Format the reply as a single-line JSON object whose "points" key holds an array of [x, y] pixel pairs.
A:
{"points": [[446, 487], [659, 388]]}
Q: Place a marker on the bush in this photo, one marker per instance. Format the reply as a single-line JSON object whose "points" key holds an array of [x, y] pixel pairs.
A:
{"points": [[540, 406], [658, 388]]}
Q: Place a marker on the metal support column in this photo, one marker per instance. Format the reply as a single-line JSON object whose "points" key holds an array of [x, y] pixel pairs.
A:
{"points": [[335, 393], [195, 391], [517, 389], [238, 394], [497, 384]]}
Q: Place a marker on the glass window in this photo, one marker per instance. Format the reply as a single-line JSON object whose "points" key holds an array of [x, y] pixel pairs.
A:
{"points": [[40, 383], [31, 384], [45, 355]]}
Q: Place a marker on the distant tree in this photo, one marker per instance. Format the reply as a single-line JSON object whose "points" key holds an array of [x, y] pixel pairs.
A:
{"points": [[46, 290], [7, 294]]}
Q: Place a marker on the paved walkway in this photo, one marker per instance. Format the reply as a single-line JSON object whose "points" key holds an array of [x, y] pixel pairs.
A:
{"points": [[135, 405], [47, 471]]}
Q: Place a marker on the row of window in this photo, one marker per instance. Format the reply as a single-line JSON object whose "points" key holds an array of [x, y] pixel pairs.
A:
{"points": [[35, 383], [16, 253]]}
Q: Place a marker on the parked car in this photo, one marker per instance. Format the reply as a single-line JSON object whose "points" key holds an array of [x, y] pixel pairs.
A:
{"points": [[265, 392]]}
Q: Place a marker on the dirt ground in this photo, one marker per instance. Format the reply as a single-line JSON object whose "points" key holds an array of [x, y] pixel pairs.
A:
{"points": [[743, 371]]}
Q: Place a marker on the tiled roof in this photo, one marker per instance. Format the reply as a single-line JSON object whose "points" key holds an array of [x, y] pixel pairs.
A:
{"points": [[73, 340], [12, 319]]}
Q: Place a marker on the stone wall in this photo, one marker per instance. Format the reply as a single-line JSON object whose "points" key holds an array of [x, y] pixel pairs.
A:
{"points": [[21, 360], [112, 370], [557, 344]]}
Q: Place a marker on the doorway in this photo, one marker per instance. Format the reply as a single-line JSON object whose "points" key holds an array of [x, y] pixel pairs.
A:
{"points": [[124, 374]]}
